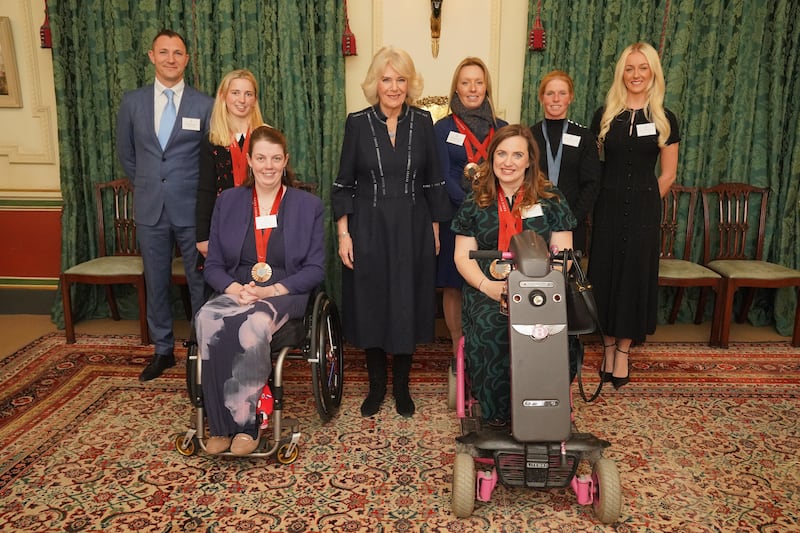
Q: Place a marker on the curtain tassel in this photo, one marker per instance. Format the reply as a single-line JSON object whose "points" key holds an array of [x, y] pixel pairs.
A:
{"points": [[537, 39], [348, 39]]}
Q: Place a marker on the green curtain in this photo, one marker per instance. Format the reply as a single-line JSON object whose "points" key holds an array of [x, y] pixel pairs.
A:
{"points": [[732, 69], [100, 51]]}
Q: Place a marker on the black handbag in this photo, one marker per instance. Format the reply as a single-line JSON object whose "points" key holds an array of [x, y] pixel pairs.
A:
{"points": [[581, 307]]}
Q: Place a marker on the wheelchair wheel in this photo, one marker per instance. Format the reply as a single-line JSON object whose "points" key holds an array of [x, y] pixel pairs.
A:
{"points": [[327, 348], [463, 485], [187, 450], [285, 457], [607, 497], [451, 386]]}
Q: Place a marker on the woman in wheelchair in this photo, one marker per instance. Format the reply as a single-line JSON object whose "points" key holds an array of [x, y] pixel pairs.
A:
{"points": [[265, 255], [511, 194]]}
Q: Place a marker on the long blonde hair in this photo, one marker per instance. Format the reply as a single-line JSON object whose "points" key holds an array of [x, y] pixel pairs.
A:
{"points": [[219, 131], [654, 106], [399, 60], [534, 184]]}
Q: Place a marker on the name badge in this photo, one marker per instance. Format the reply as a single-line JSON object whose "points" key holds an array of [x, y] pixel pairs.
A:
{"points": [[456, 138], [267, 221], [192, 124], [533, 211], [571, 140], [645, 130]]}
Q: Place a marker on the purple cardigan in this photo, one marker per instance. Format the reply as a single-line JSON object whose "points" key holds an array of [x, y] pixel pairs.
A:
{"points": [[301, 214]]}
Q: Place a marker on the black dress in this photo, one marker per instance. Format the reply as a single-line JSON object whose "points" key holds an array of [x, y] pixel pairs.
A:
{"points": [[623, 263], [392, 195]]}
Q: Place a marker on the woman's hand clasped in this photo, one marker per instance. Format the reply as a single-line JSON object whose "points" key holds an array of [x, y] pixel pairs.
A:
{"points": [[493, 289]]}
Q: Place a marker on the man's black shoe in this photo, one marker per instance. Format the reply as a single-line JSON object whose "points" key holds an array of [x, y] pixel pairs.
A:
{"points": [[157, 365]]}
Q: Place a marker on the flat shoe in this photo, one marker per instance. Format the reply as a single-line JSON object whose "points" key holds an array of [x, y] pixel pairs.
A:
{"points": [[243, 444], [217, 445]]}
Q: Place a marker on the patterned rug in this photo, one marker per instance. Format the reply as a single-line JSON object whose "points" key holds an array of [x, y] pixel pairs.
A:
{"points": [[704, 440]]}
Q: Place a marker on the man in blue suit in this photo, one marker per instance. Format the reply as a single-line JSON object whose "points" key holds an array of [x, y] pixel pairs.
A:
{"points": [[159, 129]]}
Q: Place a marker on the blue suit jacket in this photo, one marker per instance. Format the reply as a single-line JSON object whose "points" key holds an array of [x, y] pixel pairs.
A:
{"points": [[300, 215], [162, 178]]}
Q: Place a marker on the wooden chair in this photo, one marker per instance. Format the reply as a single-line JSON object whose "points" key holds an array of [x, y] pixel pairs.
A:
{"points": [[739, 248], [678, 207], [124, 266]]}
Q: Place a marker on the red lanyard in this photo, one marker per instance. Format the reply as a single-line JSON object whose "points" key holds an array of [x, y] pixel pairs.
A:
{"points": [[239, 159], [262, 235], [510, 224], [476, 151]]}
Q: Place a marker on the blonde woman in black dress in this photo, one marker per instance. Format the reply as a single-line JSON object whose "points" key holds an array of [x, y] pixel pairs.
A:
{"points": [[634, 131]]}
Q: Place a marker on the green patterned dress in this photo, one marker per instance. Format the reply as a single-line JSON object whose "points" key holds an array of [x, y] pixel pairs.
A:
{"points": [[485, 329]]}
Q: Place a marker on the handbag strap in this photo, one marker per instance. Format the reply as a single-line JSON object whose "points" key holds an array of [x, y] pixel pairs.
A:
{"points": [[585, 290]]}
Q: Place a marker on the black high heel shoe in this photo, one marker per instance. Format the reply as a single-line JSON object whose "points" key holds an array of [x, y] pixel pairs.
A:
{"points": [[619, 382], [605, 377]]}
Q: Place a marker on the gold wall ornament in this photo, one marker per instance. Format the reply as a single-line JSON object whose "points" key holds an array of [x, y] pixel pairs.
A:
{"points": [[436, 26]]}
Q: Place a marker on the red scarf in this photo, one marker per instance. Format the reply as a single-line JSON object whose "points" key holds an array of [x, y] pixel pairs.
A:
{"points": [[239, 158], [510, 223]]}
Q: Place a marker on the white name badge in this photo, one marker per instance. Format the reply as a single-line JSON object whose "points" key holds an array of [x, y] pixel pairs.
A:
{"points": [[456, 138], [533, 211], [267, 221], [192, 124], [645, 130], [571, 140]]}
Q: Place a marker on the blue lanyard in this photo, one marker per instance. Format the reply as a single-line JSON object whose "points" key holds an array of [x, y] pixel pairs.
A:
{"points": [[554, 164]]}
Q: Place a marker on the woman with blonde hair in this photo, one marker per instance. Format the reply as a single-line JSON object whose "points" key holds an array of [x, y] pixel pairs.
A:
{"points": [[223, 154], [462, 137], [634, 130], [388, 200]]}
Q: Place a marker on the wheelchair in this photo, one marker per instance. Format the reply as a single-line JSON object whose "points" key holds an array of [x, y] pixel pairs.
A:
{"points": [[541, 448], [316, 338]]}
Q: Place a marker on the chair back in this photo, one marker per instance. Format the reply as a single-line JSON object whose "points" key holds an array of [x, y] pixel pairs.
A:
{"points": [[734, 231], [115, 200], [677, 211]]}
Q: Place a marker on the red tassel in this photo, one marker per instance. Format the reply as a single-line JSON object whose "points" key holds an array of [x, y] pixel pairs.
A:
{"points": [[537, 39], [348, 39]]}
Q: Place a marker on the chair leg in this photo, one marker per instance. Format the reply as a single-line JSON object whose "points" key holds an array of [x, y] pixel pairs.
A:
{"points": [[66, 301], [796, 331], [141, 293], [725, 311], [676, 305], [715, 319], [701, 305], [112, 301], [749, 295]]}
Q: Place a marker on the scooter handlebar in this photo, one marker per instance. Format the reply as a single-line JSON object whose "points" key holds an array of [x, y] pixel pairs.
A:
{"points": [[490, 254]]}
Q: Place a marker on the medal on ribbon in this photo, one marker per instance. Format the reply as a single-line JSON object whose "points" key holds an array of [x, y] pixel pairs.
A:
{"points": [[475, 150], [261, 271], [500, 269]]}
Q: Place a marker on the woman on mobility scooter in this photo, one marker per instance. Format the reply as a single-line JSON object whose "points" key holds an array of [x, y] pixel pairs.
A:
{"points": [[511, 194], [265, 256]]}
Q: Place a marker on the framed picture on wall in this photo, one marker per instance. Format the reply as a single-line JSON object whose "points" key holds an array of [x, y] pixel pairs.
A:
{"points": [[9, 77]]}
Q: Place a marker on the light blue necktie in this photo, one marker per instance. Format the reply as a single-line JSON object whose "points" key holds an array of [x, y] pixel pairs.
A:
{"points": [[167, 119]]}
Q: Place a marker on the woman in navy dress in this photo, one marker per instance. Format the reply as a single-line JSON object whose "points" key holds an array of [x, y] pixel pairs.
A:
{"points": [[463, 137], [388, 200]]}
